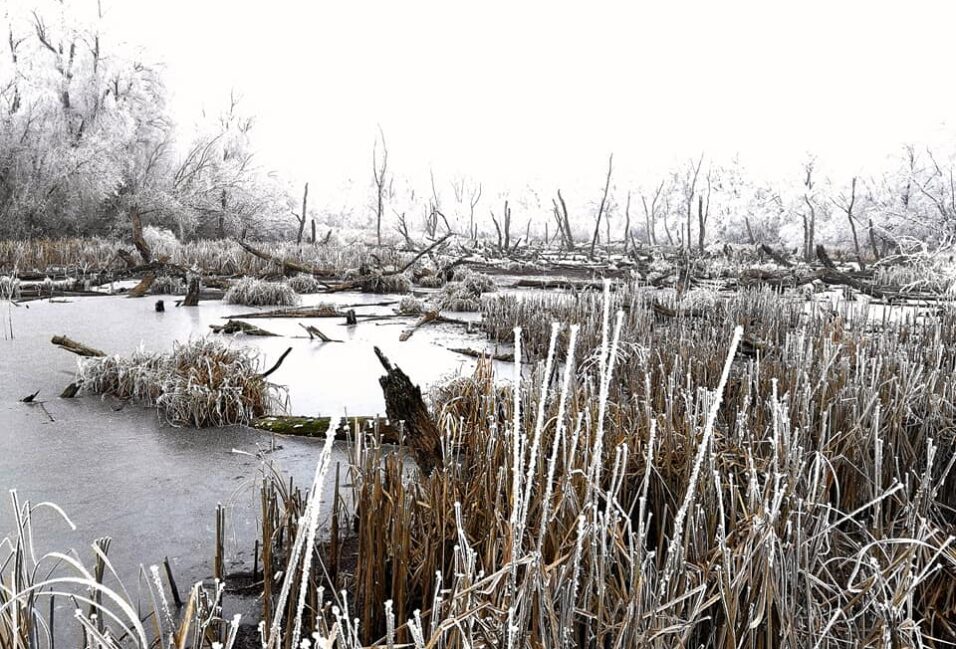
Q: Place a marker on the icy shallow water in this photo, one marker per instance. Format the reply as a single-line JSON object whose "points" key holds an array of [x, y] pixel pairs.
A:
{"points": [[119, 471]]}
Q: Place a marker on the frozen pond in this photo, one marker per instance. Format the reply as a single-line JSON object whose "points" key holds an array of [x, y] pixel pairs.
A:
{"points": [[119, 471]]}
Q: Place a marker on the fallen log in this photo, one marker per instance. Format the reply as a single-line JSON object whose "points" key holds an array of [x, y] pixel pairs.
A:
{"points": [[76, 347], [430, 316], [474, 353], [238, 326], [776, 256], [320, 311], [288, 267], [319, 426], [404, 403]]}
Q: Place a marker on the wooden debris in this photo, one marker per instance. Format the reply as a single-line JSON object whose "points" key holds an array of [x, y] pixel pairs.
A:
{"points": [[430, 316], [76, 347], [315, 333], [318, 426], [474, 353], [277, 364], [320, 311], [30, 398], [144, 284], [350, 319], [238, 326], [288, 267], [192, 292], [404, 403], [70, 391]]}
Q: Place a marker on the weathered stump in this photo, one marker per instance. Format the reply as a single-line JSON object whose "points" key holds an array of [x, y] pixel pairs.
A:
{"points": [[404, 402], [192, 292]]}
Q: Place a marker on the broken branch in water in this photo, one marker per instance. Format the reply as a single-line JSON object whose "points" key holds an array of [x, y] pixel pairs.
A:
{"points": [[238, 326], [76, 347], [276, 366], [315, 333], [318, 426]]}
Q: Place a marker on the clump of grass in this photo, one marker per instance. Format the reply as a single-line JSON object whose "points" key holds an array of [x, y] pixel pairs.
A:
{"points": [[411, 305], [432, 280], [250, 291], [465, 293], [201, 383], [9, 287], [380, 283], [302, 284], [168, 285]]}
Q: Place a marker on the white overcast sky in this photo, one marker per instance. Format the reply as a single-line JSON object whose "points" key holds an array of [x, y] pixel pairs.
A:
{"points": [[541, 92]]}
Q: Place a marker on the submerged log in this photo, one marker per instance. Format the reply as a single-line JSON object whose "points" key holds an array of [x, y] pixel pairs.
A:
{"points": [[238, 326], [319, 426], [320, 311], [77, 348], [315, 333], [430, 316], [404, 403], [474, 353], [288, 267]]}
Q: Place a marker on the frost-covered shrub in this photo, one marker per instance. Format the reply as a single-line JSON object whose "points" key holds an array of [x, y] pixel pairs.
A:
{"points": [[411, 306], [161, 242], [465, 294], [168, 285], [387, 284], [204, 382], [256, 292], [303, 283], [9, 287]]}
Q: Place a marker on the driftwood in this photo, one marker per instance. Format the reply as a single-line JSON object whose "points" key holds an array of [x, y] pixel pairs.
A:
{"points": [[144, 284], [320, 311], [319, 426], [238, 326], [430, 316], [288, 267], [776, 256], [360, 282], [315, 333], [474, 353], [70, 391], [404, 403], [76, 347], [277, 364]]}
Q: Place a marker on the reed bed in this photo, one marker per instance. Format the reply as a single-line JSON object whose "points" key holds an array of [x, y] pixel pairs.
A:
{"points": [[250, 291], [168, 285], [203, 382], [769, 476], [209, 257]]}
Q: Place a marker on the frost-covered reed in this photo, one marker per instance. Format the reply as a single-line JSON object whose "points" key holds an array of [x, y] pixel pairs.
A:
{"points": [[203, 382], [250, 291]]}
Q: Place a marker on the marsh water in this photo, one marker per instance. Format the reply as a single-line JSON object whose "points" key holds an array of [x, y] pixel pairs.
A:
{"points": [[119, 470]]}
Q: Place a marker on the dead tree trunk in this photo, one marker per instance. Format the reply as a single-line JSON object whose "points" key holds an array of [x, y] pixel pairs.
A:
{"points": [[192, 292], [138, 239], [597, 221], [403, 402], [302, 217]]}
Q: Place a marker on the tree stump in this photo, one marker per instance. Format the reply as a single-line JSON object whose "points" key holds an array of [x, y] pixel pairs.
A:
{"points": [[403, 402], [192, 292]]}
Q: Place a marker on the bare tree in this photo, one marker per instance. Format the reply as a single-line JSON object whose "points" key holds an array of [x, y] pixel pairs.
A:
{"points": [[301, 217], [847, 205], [564, 224], [597, 220], [472, 204], [650, 213], [809, 217], [379, 173], [690, 191]]}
